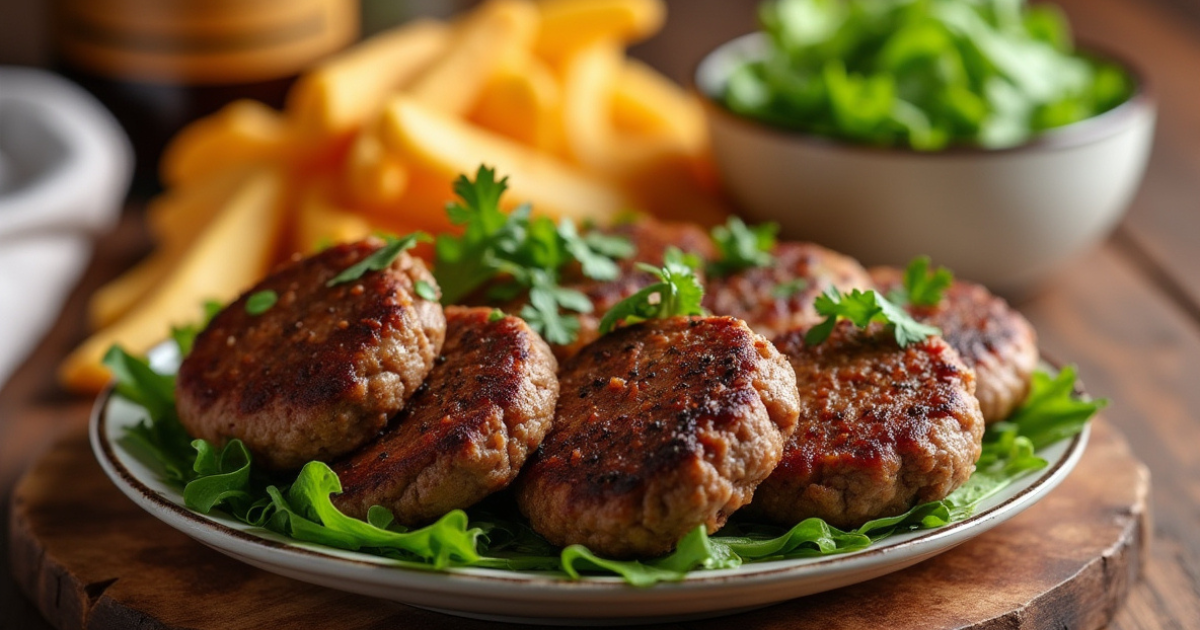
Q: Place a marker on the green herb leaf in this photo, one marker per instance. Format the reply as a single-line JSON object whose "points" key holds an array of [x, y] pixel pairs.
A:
{"points": [[426, 291], [185, 336], [790, 289], [495, 316], [380, 259], [741, 247], [678, 292], [862, 308], [921, 286], [261, 302]]}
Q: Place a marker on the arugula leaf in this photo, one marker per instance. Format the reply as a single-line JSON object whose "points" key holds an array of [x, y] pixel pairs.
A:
{"points": [[261, 302], [742, 247], [160, 435], [921, 74], [678, 292], [862, 308], [380, 259], [518, 252], [922, 287], [222, 476], [185, 336]]}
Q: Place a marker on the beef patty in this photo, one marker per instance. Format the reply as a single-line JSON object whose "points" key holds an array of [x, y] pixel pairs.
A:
{"points": [[661, 427], [779, 297], [881, 429], [487, 403], [319, 373], [992, 338]]}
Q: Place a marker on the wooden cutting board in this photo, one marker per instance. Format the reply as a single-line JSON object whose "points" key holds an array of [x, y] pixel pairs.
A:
{"points": [[89, 558]]}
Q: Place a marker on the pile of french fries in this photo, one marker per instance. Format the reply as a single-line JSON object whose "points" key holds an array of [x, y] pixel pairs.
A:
{"points": [[373, 138]]}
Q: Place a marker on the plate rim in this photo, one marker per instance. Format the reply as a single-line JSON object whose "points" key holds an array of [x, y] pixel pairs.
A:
{"points": [[210, 531]]}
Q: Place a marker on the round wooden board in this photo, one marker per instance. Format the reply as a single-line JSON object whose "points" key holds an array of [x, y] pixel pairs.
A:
{"points": [[89, 558]]}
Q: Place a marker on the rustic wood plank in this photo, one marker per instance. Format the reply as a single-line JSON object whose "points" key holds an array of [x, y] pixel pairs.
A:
{"points": [[90, 558], [1163, 224], [1144, 354]]}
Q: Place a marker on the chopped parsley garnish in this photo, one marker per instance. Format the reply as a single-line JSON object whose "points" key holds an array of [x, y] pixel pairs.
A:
{"points": [[261, 302], [677, 292], [790, 289], [380, 259], [426, 291], [742, 247], [922, 287], [862, 308], [495, 316], [515, 252]]}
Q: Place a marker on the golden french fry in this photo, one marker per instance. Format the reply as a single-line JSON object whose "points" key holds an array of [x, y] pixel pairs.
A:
{"points": [[233, 252], [447, 146], [488, 39], [647, 103], [374, 177], [522, 102], [321, 221], [243, 132], [568, 25], [347, 90]]}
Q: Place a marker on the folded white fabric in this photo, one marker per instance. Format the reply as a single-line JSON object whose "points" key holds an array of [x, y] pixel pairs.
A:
{"points": [[65, 166]]}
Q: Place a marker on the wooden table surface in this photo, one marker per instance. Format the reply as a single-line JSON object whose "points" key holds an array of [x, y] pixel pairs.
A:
{"points": [[1128, 312]]}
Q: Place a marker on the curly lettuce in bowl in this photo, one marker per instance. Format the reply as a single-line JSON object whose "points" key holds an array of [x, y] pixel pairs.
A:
{"points": [[924, 74]]}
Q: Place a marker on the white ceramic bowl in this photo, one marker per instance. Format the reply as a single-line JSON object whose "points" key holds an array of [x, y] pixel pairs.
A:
{"points": [[1003, 217]]}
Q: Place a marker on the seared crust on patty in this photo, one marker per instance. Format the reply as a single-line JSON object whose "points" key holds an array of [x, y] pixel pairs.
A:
{"points": [[661, 427], [992, 338], [881, 429], [487, 403], [757, 295], [650, 240], [319, 373]]}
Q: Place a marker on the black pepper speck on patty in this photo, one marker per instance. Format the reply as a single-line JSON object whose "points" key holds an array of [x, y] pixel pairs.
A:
{"points": [[320, 372], [661, 427]]}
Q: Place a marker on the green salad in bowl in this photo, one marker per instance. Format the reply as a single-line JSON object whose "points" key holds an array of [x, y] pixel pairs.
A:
{"points": [[924, 74]]}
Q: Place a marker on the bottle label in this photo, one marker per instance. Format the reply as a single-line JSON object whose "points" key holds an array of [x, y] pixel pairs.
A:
{"points": [[202, 42]]}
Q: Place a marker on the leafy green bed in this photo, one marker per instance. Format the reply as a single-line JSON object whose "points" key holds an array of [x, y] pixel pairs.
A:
{"points": [[493, 534]]}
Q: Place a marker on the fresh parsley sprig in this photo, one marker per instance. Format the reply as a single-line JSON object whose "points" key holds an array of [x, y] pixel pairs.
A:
{"points": [[921, 286], [862, 308], [380, 259], [740, 246], [516, 252], [677, 292]]}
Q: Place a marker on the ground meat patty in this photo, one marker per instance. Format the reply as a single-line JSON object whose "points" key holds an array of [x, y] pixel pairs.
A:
{"points": [[661, 427], [319, 373], [780, 297], [881, 428], [487, 403], [650, 240], [995, 340]]}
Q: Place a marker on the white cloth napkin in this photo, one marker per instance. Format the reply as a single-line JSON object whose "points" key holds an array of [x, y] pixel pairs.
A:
{"points": [[65, 166]]}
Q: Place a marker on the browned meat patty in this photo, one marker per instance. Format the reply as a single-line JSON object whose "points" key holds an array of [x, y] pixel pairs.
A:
{"points": [[487, 403], [995, 340], [780, 297], [650, 240], [881, 428], [661, 427], [319, 373]]}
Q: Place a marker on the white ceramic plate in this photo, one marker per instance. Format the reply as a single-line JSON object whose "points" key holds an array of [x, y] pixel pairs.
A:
{"points": [[543, 598]]}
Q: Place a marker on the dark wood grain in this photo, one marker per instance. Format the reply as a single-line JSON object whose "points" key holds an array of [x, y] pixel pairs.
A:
{"points": [[90, 558]]}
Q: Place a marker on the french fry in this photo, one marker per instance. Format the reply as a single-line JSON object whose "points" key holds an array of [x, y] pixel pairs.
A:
{"points": [[568, 25], [522, 102], [448, 146], [494, 35], [320, 221], [645, 102], [232, 253], [347, 90], [243, 132], [374, 177]]}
